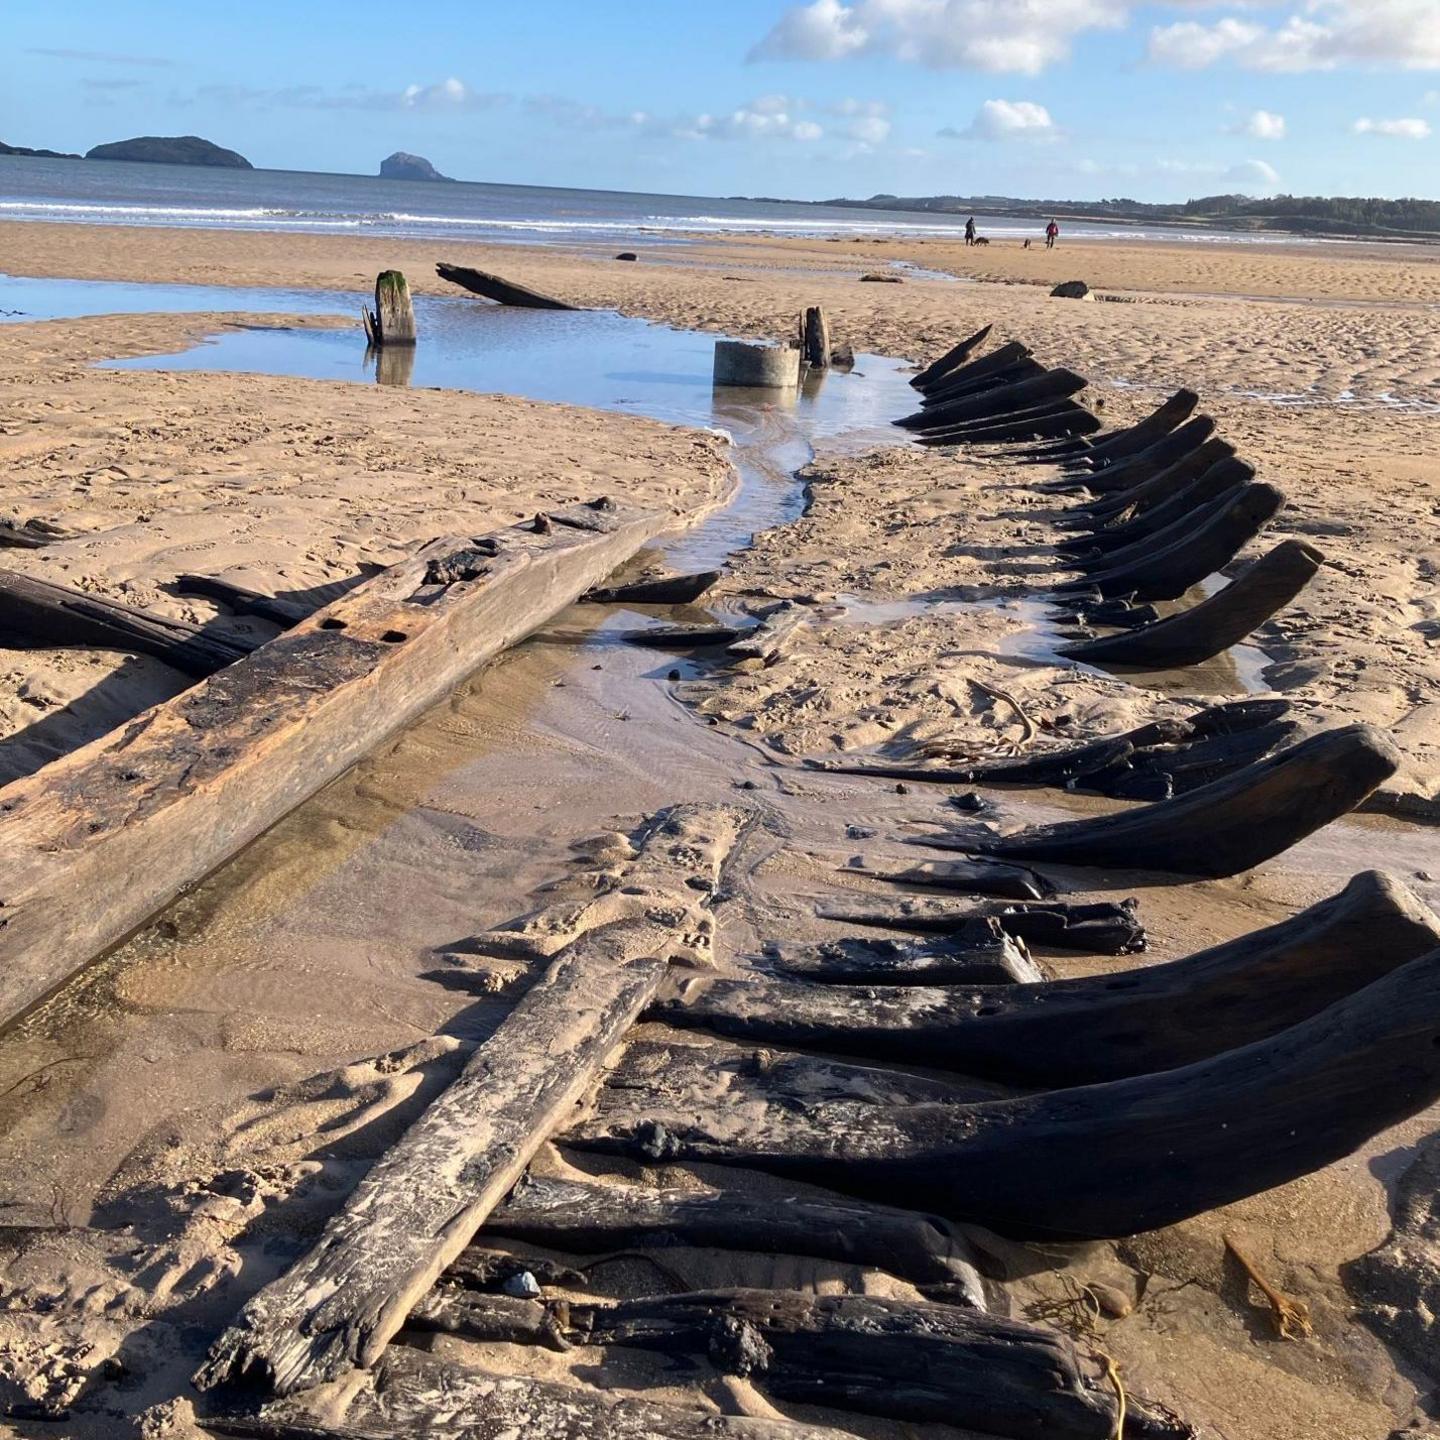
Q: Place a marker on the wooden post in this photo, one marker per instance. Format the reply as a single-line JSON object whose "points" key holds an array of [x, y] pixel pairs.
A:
{"points": [[815, 338], [392, 322]]}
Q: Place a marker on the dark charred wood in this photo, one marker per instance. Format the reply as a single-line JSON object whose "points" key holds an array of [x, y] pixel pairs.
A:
{"points": [[35, 612], [998, 403], [1024, 368], [504, 292], [1155, 459], [1103, 1160], [1119, 613], [656, 590], [1035, 424], [490, 1270], [952, 359], [972, 877], [1167, 572], [815, 338], [1110, 449], [1101, 928], [1196, 634], [1082, 1031], [285, 613], [1001, 358], [979, 953], [1159, 488], [33, 534], [685, 637], [587, 1219], [1163, 771], [502, 1319], [1178, 530], [903, 1360], [1227, 826]]}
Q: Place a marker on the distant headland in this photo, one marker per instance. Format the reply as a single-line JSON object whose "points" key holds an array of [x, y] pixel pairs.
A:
{"points": [[403, 166], [153, 149]]}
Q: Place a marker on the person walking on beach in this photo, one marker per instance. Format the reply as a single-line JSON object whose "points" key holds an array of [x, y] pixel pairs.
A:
{"points": [[970, 231], [1052, 234]]}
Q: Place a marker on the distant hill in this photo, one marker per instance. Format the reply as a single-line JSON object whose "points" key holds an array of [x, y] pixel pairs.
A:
{"points": [[170, 150], [35, 154], [1299, 214], [402, 166]]}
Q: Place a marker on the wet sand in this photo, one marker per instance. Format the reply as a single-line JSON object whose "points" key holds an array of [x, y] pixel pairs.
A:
{"points": [[311, 951]]}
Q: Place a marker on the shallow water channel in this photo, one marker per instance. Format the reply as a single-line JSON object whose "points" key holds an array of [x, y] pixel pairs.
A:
{"points": [[319, 942]]}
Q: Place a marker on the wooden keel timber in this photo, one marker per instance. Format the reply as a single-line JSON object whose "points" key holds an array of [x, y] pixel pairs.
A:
{"points": [[98, 841], [418, 1206], [1166, 572], [503, 292], [1225, 827], [1096, 1028], [903, 1360], [1202, 631], [1102, 1160], [411, 1396], [589, 1218], [35, 612], [952, 359]]}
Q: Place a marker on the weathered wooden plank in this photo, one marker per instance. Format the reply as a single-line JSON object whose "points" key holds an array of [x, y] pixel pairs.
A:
{"points": [[411, 1396], [773, 636], [952, 359], [1110, 449], [95, 843], [503, 292], [36, 612], [418, 1206], [980, 953], [1155, 459], [655, 590], [394, 318], [33, 534], [997, 403]]}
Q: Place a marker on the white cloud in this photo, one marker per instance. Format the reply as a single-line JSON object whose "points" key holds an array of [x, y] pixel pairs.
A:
{"points": [[1316, 35], [1016, 36], [450, 94], [1253, 175], [1264, 125], [1401, 129], [1006, 120]]}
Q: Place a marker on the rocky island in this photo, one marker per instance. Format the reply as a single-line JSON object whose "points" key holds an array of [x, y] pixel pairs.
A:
{"points": [[171, 150], [401, 166], [35, 154]]}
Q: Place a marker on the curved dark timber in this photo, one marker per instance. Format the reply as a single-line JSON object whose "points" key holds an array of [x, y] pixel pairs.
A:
{"points": [[953, 358], [1040, 422], [1133, 1154], [1025, 368], [1167, 571], [1154, 459], [1008, 354], [1167, 483], [1204, 630], [1110, 449], [1052, 385], [1227, 826], [1177, 529], [1101, 1027]]}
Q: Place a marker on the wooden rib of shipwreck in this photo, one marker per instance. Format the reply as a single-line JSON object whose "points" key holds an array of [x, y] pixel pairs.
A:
{"points": [[36, 612], [99, 840], [900, 1359], [1080, 1031], [503, 292], [655, 590], [986, 377], [1038, 423], [1202, 631], [587, 1218], [1095, 513], [997, 403], [1112, 448], [1212, 540], [34, 534], [1180, 528], [419, 1205], [1227, 826], [952, 359], [1146, 464], [1001, 358], [980, 953], [1103, 1160], [410, 1396]]}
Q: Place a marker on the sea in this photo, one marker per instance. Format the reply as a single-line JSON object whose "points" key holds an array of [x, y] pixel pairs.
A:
{"points": [[126, 193]]}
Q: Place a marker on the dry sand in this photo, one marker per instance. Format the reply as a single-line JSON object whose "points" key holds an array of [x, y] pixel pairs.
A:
{"points": [[126, 1098]]}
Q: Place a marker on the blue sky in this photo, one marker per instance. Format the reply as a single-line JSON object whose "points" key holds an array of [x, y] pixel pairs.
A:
{"points": [[1056, 98]]}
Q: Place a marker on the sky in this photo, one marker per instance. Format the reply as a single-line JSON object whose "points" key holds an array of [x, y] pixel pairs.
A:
{"points": [[1057, 99]]}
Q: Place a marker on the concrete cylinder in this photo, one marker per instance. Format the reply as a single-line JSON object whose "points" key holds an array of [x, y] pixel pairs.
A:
{"points": [[769, 367]]}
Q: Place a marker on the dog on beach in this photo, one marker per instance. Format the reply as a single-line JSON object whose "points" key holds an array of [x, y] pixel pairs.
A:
{"points": [[981, 240]]}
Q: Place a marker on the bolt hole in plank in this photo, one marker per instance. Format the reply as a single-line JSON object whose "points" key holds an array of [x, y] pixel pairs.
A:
{"points": [[332, 623], [393, 637]]}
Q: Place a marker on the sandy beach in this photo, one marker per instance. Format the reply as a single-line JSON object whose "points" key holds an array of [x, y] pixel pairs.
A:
{"points": [[247, 1021]]}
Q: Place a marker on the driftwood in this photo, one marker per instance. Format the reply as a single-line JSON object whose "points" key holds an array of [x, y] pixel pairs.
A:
{"points": [[588, 1218], [1227, 826], [1101, 1027], [1196, 634], [952, 359], [35, 612], [904, 1360], [504, 292], [655, 590], [1102, 928], [1102, 1160], [1222, 478], [1110, 449], [1212, 539], [33, 534], [392, 322], [420, 1203], [411, 1396], [815, 338], [1146, 464], [997, 403], [1001, 358], [979, 953], [99, 840]]}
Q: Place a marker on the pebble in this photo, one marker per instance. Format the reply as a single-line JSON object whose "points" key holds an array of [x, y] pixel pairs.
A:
{"points": [[524, 1286]]}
